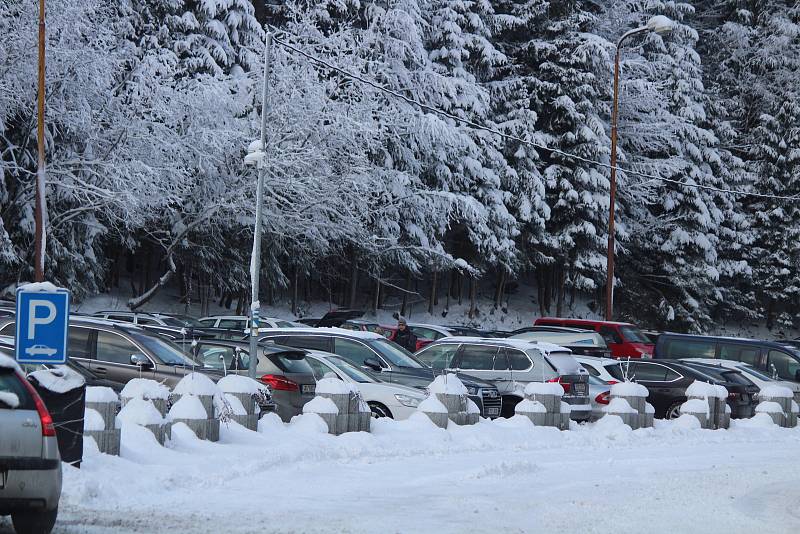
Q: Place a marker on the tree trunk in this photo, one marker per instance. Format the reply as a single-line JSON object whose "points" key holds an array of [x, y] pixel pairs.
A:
{"points": [[540, 291], [473, 293], [498, 294], [434, 289], [351, 301], [295, 281], [560, 294], [376, 301], [460, 288], [405, 294]]}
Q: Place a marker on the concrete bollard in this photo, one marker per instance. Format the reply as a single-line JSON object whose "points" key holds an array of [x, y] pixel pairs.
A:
{"points": [[326, 408], [774, 410], [548, 394], [142, 412], [699, 409], [239, 413], [435, 410], [144, 388], [619, 406], [189, 410], [649, 415], [95, 427], [783, 397], [715, 397], [533, 410], [245, 389], [628, 401], [451, 396]]}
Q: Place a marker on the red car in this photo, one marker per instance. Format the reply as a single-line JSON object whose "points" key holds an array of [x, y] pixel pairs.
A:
{"points": [[391, 333], [624, 339]]}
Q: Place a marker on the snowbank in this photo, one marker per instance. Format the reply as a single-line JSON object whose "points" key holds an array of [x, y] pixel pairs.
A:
{"points": [[144, 388], [629, 389], [432, 405], [58, 380], [196, 384], [544, 388], [240, 384], [704, 389], [101, 394], [530, 406], [92, 420], [619, 405], [321, 405], [188, 407], [332, 386], [774, 391], [9, 399], [448, 384], [139, 411], [769, 407]]}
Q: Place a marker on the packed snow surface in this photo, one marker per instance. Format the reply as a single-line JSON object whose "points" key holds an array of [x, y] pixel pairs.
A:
{"points": [[144, 388], [139, 412], [432, 405], [188, 407], [332, 386], [240, 384], [704, 389], [320, 405], [544, 388], [530, 406], [9, 399], [505, 475], [774, 391], [629, 389], [92, 420], [101, 394], [448, 384], [196, 384], [61, 379]]}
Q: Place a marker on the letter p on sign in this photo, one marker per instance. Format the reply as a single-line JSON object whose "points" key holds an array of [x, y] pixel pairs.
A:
{"points": [[34, 318]]}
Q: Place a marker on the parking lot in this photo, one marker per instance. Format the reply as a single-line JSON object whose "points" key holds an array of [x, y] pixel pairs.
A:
{"points": [[409, 476]]}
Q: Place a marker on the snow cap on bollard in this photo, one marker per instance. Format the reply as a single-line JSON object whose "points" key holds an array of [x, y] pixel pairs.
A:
{"points": [[448, 384], [544, 388], [629, 389], [144, 388]]}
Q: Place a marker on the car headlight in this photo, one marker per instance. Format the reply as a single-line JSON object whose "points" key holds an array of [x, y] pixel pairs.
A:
{"points": [[407, 400], [472, 390]]}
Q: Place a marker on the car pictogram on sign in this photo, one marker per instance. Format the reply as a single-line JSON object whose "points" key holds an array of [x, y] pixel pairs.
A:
{"points": [[40, 350]]}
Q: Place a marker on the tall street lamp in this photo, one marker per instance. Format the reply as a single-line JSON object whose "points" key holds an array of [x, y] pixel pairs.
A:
{"points": [[658, 24]]}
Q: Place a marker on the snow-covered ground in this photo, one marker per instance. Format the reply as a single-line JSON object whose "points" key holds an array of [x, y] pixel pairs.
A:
{"points": [[409, 476]]}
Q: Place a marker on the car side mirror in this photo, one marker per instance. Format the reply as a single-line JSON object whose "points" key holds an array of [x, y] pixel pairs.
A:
{"points": [[373, 364], [141, 361]]}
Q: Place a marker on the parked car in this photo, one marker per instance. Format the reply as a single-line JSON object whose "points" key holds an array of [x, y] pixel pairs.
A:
{"points": [[384, 399], [759, 378], [652, 335], [152, 319], [667, 380], [624, 339], [30, 464], [389, 361], [776, 359], [597, 366], [332, 319], [239, 323], [364, 325], [120, 352], [584, 343], [509, 364], [284, 369], [392, 334], [599, 391]]}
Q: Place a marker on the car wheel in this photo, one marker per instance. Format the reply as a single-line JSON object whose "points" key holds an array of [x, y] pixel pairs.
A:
{"points": [[674, 411], [379, 410], [40, 522]]}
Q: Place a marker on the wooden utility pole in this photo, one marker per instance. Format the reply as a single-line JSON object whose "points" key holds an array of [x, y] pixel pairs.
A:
{"points": [[41, 207]]}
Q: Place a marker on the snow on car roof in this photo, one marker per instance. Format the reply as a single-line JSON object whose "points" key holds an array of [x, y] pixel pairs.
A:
{"points": [[566, 319], [521, 344], [362, 334]]}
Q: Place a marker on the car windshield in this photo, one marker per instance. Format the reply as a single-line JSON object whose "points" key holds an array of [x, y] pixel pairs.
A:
{"points": [[166, 351], [351, 370], [396, 354], [634, 335], [749, 369]]}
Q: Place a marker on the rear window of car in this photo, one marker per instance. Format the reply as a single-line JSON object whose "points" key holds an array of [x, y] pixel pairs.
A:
{"points": [[686, 348], [11, 383], [289, 364], [564, 363]]}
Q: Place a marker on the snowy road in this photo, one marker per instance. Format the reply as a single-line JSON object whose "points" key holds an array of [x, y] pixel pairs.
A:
{"points": [[409, 477]]}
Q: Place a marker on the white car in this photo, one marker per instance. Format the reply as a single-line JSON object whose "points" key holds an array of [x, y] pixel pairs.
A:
{"points": [[754, 375], [39, 350], [596, 366], [239, 322], [385, 400]]}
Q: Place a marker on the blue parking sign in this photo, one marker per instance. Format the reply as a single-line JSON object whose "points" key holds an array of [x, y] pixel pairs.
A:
{"points": [[42, 324]]}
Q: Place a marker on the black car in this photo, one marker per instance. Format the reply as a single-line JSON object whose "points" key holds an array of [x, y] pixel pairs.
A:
{"points": [[667, 380], [333, 318], [391, 362]]}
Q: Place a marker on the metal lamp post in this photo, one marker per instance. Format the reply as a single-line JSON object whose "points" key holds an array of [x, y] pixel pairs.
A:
{"points": [[257, 156], [658, 24]]}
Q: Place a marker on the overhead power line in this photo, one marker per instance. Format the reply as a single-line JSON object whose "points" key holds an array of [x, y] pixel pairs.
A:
{"points": [[478, 126]]}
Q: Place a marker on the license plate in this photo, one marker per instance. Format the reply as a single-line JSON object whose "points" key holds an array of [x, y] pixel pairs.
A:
{"points": [[308, 389], [579, 388], [492, 411]]}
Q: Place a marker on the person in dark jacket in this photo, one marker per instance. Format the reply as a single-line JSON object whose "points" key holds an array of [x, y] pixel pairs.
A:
{"points": [[404, 337]]}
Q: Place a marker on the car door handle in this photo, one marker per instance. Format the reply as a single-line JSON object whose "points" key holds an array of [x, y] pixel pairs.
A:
{"points": [[100, 370]]}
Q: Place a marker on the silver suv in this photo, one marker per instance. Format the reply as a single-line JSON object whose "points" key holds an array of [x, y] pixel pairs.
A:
{"points": [[511, 363], [30, 466]]}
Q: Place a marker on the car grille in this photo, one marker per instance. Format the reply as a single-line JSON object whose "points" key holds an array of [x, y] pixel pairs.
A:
{"points": [[491, 399]]}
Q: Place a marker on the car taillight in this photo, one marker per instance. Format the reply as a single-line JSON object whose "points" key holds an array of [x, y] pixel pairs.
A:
{"points": [[733, 395], [48, 429], [612, 382], [602, 398], [566, 385], [280, 383]]}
